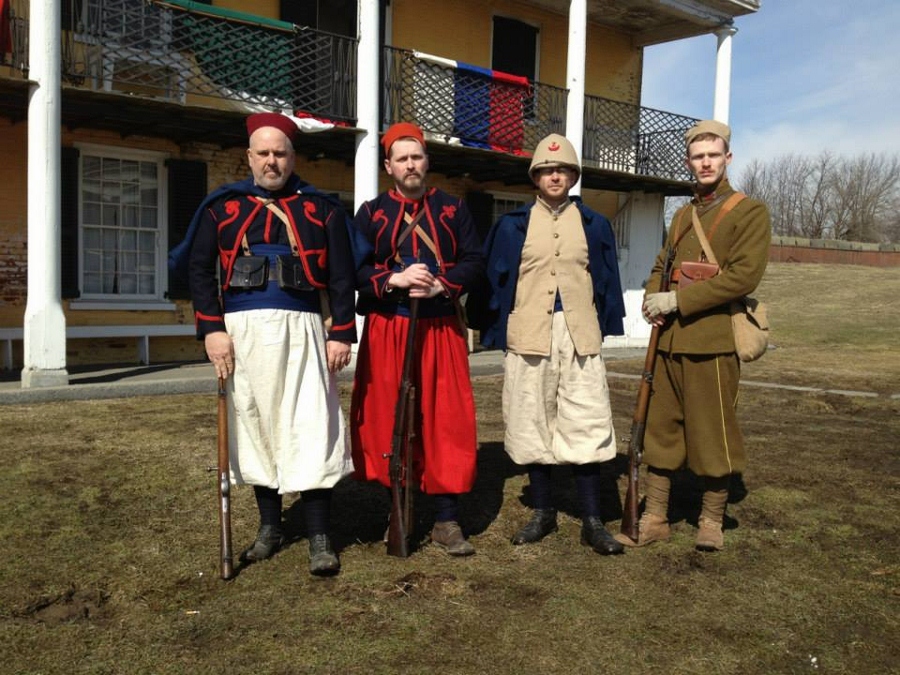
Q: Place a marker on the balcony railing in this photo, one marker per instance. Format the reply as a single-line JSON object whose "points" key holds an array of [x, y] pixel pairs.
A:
{"points": [[196, 54], [469, 106], [631, 139], [186, 52]]}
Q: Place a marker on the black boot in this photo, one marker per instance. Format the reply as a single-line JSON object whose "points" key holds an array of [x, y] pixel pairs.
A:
{"points": [[542, 523], [595, 535], [323, 561], [269, 539]]}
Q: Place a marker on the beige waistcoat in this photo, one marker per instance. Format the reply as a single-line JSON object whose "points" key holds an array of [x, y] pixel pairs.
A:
{"points": [[554, 259]]}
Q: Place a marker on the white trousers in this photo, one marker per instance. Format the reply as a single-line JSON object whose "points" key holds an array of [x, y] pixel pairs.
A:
{"points": [[286, 428], [556, 408]]}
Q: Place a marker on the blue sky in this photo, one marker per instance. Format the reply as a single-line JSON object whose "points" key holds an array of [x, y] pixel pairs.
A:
{"points": [[807, 76]]}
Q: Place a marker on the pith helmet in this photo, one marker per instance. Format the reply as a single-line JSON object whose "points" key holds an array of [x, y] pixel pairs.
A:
{"points": [[554, 150]]}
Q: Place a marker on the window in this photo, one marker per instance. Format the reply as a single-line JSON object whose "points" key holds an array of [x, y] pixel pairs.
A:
{"points": [[514, 48], [331, 16], [134, 23], [122, 225], [504, 205], [514, 51]]}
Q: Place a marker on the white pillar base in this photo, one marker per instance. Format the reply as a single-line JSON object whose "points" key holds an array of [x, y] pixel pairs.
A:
{"points": [[35, 378]]}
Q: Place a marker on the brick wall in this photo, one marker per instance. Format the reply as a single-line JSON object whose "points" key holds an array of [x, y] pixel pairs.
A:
{"points": [[798, 249]]}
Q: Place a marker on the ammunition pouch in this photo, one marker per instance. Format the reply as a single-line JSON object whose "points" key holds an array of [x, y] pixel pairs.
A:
{"points": [[250, 271], [290, 273]]}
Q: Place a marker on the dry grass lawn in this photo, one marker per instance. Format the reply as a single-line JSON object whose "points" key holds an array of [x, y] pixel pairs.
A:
{"points": [[109, 523]]}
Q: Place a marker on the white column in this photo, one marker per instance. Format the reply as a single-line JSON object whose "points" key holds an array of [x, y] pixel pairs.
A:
{"points": [[368, 56], [575, 68], [45, 323], [723, 73]]}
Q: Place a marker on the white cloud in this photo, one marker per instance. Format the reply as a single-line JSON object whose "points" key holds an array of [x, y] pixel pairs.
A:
{"points": [[807, 76]]}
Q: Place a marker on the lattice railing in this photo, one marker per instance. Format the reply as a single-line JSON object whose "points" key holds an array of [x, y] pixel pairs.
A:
{"points": [[467, 105], [186, 51], [631, 139], [173, 50]]}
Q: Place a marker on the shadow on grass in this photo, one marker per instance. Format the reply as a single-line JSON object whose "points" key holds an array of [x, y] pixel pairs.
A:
{"points": [[360, 510]]}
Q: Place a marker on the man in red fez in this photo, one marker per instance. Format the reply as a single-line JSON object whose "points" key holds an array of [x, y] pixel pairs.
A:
{"points": [[270, 260], [424, 246]]}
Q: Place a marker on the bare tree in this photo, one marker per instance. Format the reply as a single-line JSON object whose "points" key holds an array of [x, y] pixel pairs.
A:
{"points": [[828, 197]]}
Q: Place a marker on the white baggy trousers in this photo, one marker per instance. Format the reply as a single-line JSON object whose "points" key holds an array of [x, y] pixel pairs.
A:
{"points": [[285, 422]]}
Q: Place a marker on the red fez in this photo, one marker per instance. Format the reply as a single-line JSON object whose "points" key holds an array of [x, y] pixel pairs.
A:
{"points": [[281, 122], [398, 131]]}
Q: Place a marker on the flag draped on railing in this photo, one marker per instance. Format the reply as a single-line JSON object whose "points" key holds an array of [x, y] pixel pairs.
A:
{"points": [[480, 107]]}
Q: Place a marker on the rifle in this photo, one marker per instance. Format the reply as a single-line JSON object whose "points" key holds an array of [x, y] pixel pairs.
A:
{"points": [[225, 563], [639, 423], [401, 468]]}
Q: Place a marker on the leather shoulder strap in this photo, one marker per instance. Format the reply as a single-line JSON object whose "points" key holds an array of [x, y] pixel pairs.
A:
{"points": [[729, 204]]}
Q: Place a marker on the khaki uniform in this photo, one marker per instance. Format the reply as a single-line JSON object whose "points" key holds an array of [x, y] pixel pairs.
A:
{"points": [[555, 395], [692, 415]]}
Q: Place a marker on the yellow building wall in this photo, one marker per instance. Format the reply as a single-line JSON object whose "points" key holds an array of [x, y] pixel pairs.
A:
{"points": [[13, 223], [612, 70], [267, 8], [613, 65]]}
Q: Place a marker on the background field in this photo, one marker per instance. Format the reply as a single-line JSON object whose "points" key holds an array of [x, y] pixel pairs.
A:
{"points": [[109, 525]]}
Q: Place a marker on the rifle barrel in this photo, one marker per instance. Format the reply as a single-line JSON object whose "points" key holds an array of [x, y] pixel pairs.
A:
{"points": [[400, 468], [226, 567]]}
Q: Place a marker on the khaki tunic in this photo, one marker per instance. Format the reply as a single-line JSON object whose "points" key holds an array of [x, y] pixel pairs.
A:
{"points": [[692, 416], [554, 259]]}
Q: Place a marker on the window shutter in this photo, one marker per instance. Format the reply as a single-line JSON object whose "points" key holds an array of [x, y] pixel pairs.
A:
{"points": [[187, 188], [69, 224], [481, 205]]}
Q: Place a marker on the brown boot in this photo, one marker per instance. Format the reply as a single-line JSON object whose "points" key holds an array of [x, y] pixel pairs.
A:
{"points": [[709, 533], [448, 535], [654, 524], [651, 528]]}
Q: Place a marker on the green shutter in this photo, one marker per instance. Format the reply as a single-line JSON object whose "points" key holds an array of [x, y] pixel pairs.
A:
{"points": [[187, 188]]}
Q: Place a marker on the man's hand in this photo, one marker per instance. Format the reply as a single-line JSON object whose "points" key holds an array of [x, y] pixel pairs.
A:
{"points": [[434, 290], [220, 350], [657, 305], [337, 353], [416, 276]]}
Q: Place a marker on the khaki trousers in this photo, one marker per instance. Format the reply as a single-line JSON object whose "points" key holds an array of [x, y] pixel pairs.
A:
{"points": [[556, 408], [692, 419]]}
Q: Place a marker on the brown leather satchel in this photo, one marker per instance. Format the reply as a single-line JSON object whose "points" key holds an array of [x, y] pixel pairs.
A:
{"points": [[693, 271], [749, 319]]}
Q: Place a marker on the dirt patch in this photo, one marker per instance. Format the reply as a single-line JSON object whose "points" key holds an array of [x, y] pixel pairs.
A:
{"points": [[72, 605]]}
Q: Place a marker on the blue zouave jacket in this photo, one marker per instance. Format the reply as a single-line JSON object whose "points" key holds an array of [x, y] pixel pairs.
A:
{"points": [[503, 251], [213, 241]]}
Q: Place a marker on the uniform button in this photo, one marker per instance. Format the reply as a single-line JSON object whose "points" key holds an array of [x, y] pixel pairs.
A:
{"points": [[556, 254], [556, 235], [549, 292], [552, 273], [549, 311]]}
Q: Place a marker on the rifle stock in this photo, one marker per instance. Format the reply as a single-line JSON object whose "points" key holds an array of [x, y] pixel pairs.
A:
{"points": [[226, 567], [400, 525], [629, 526]]}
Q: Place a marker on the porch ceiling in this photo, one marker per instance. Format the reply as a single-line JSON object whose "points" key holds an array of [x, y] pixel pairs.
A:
{"points": [[134, 116], [485, 166], [654, 21]]}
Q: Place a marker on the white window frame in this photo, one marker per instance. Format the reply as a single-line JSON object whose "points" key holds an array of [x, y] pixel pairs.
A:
{"points": [[517, 198], [149, 301]]}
